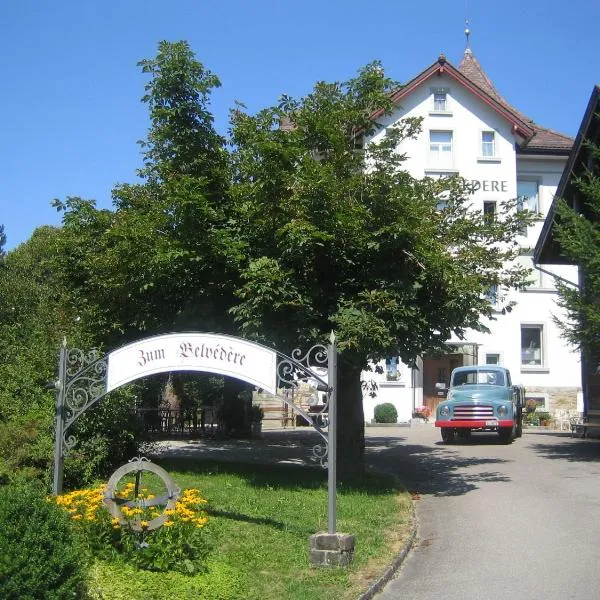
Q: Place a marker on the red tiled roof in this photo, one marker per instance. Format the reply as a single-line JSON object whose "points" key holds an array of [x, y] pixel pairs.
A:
{"points": [[470, 67], [543, 139], [534, 139]]}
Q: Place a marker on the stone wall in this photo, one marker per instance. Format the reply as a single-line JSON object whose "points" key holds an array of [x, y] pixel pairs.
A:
{"points": [[559, 398]]}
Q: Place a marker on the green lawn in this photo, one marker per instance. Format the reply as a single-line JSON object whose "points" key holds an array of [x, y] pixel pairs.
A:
{"points": [[260, 519]]}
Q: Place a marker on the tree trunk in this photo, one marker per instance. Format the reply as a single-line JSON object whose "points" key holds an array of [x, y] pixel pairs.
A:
{"points": [[234, 408], [350, 420]]}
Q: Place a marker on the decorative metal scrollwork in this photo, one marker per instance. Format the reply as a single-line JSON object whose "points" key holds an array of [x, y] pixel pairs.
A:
{"points": [[320, 454], [77, 359], [302, 368], [83, 387], [299, 367]]}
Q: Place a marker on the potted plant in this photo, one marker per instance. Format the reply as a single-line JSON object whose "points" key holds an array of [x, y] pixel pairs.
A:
{"points": [[545, 419], [422, 412], [256, 417]]}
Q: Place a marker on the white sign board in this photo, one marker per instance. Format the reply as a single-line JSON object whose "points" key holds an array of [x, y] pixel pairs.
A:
{"points": [[220, 354]]}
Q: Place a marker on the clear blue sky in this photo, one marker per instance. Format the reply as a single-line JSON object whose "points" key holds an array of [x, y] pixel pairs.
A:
{"points": [[70, 101]]}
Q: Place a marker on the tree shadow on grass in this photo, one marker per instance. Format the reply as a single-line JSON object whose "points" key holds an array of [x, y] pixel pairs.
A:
{"points": [[437, 470], [281, 459]]}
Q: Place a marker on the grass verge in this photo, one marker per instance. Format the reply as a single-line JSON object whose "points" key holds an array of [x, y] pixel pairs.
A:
{"points": [[260, 519]]}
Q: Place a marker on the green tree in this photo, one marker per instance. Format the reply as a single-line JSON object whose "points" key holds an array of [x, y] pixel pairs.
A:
{"points": [[163, 258], [340, 237], [579, 240], [32, 323]]}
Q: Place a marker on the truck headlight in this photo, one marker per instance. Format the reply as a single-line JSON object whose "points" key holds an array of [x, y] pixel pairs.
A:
{"points": [[502, 410], [444, 411]]}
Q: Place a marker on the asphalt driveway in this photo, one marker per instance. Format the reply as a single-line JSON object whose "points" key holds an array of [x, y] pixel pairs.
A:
{"points": [[518, 521]]}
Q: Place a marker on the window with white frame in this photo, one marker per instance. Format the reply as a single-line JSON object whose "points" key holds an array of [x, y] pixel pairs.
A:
{"points": [[440, 148], [492, 294], [527, 195], [439, 97], [392, 372], [440, 101], [539, 401], [492, 358], [488, 144], [532, 346], [489, 210]]}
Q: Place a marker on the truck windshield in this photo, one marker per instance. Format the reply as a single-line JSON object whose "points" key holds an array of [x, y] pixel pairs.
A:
{"points": [[478, 377]]}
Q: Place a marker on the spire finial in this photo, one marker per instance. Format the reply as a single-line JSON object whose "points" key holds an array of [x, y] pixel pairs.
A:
{"points": [[467, 34]]}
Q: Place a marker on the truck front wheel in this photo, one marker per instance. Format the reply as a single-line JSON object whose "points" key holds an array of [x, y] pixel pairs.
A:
{"points": [[447, 435], [506, 434], [519, 429]]}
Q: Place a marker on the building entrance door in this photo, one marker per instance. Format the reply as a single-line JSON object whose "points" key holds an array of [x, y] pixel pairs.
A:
{"points": [[437, 369]]}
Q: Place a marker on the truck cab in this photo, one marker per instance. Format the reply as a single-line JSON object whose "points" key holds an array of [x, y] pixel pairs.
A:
{"points": [[481, 398]]}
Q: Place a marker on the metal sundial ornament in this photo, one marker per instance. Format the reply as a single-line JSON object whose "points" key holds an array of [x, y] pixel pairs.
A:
{"points": [[115, 504]]}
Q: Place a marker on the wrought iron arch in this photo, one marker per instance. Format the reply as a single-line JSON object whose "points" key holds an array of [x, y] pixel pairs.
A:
{"points": [[82, 382]]}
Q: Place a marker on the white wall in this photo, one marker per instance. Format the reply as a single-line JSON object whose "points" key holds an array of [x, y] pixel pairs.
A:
{"points": [[400, 393]]}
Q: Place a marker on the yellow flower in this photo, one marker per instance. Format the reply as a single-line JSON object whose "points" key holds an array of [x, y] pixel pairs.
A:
{"points": [[144, 524], [76, 517]]}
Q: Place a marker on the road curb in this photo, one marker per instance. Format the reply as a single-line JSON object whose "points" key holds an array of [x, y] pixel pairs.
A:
{"points": [[392, 569]]}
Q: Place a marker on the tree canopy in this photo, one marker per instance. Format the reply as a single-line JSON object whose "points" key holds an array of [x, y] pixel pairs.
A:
{"points": [[163, 258]]}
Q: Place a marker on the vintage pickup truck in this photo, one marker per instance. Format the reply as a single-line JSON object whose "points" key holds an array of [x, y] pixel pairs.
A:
{"points": [[481, 398]]}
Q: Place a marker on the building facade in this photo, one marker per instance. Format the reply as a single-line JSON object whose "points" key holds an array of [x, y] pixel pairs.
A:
{"points": [[468, 129]]}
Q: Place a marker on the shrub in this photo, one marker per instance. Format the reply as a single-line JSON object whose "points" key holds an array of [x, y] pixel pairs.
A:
{"points": [[386, 413], [26, 445], [39, 557]]}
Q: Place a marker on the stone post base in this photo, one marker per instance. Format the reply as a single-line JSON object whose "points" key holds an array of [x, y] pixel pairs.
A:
{"points": [[331, 549]]}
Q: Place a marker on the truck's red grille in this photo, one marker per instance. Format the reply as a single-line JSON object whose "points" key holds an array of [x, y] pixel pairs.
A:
{"points": [[475, 412]]}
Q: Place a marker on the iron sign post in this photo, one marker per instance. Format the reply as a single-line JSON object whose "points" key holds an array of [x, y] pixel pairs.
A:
{"points": [[60, 384], [332, 435]]}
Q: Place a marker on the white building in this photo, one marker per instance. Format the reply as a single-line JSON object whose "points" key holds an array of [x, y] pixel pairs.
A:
{"points": [[470, 130]]}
